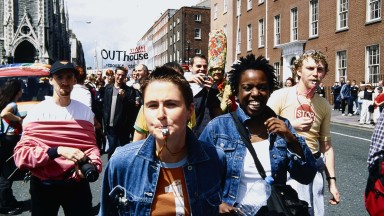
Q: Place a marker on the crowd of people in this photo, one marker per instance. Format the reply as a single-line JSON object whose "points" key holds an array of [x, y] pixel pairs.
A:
{"points": [[177, 142], [361, 99]]}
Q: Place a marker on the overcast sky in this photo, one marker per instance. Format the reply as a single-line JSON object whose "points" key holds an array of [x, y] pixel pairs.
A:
{"points": [[115, 24]]}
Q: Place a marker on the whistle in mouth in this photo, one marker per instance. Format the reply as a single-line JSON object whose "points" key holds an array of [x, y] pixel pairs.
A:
{"points": [[165, 131]]}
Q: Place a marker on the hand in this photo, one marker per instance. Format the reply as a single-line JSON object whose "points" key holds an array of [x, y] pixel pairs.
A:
{"points": [[201, 79], [278, 126], [208, 82], [228, 102], [302, 124], [335, 193], [225, 208], [121, 92], [73, 154], [78, 172]]}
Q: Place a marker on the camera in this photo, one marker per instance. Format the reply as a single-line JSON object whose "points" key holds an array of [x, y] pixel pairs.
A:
{"points": [[89, 170], [206, 78]]}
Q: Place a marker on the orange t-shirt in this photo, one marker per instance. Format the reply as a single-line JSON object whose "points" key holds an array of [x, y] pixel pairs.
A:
{"points": [[171, 197]]}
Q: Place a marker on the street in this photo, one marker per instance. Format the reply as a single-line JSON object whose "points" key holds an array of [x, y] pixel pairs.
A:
{"points": [[351, 148]]}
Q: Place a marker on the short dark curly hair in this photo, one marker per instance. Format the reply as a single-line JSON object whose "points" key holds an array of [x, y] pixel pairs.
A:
{"points": [[251, 62]]}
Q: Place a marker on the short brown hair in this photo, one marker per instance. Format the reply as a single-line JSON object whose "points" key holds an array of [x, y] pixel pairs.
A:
{"points": [[317, 55]]}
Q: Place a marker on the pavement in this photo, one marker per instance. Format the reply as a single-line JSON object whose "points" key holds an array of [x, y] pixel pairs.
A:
{"points": [[336, 117]]}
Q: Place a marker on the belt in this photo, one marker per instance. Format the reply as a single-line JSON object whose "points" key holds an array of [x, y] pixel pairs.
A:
{"points": [[317, 155]]}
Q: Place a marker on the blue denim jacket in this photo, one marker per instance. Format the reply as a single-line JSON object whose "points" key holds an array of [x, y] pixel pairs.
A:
{"points": [[135, 168], [222, 132]]}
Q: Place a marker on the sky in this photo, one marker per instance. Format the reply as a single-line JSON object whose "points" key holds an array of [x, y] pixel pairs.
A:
{"points": [[115, 24]]}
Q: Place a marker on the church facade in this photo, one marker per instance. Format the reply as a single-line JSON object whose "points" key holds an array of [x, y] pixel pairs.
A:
{"points": [[35, 31]]}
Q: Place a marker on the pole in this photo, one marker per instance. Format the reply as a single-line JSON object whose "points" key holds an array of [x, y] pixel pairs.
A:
{"points": [[189, 47]]}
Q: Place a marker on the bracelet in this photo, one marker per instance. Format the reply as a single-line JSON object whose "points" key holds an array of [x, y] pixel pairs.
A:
{"points": [[329, 178]]}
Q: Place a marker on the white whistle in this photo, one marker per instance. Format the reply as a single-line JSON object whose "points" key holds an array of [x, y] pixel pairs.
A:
{"points": [[165, 131]]}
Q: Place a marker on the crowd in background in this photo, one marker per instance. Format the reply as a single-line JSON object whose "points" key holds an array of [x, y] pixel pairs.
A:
{"points": [[125, 113]]}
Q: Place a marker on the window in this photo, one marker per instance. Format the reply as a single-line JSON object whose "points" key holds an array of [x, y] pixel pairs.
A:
{"points": [[170, 27], [373, 63], [249, 37], [170, 41], [198, 33], [249, 4], [215, 11], [277, 30], [178, 20], [197, 51], [374, 10], [261, 1], [314, 18], [174, 38], [170, 58], [294, 24], [225, 29], [174, 23], [178, 55], [276, 65], [341, 64], [261, 33], [225, 5], [238, 8], [178, 35], [198, 17], [238, 45], [342, 16]]}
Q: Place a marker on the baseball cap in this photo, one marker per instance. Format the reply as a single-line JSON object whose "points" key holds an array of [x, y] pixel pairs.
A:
{"points": [[62, 65]]}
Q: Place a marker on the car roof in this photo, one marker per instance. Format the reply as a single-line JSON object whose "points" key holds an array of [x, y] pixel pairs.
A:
{"points": [[24, 69]]}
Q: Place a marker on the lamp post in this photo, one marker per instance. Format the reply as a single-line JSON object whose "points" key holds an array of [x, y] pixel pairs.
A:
{"points": [[189, 47]]}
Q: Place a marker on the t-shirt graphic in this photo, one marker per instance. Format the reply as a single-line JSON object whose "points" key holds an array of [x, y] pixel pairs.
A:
{"points": [[304, 110]]}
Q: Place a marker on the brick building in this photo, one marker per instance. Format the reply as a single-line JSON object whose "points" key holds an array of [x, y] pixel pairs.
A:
{"points": [[348, 32], [188, 33], [177, 35], [36, 31]]}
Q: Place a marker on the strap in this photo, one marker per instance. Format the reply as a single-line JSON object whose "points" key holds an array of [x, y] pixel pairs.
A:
{"points": [[241, 129]]}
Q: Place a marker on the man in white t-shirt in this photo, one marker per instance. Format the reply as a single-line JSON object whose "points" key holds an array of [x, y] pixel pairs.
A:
{"points": [[58, 137], [310, 115]]}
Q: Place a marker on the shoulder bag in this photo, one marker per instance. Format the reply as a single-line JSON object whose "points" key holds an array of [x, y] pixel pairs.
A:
{"points": [[374, 191], [284, 200]]}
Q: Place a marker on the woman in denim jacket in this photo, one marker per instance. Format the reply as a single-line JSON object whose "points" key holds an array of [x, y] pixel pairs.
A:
{"points": [[171, 172], [276, 143]]}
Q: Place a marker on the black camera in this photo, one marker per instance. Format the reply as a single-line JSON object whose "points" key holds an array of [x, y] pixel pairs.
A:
{"points": [[89, 170], [206, 77]]}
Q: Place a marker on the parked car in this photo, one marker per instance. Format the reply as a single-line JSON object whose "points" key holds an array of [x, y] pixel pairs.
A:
{"points": [[34, 80]]}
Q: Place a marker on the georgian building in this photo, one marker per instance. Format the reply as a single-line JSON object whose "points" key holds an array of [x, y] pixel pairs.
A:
{"points": [[349, 32], [177, 35], [36, 31]]}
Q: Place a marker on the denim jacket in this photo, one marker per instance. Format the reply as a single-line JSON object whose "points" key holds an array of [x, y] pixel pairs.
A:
{"points": [[133, 172], [222, 132]]}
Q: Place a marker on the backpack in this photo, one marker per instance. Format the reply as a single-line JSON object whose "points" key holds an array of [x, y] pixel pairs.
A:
{"points": [[374, 191]]}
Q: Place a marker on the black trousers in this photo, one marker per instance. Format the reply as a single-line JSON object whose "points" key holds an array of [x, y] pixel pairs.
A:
{"points": [[47, 197], [116, 139], [7, 167]]}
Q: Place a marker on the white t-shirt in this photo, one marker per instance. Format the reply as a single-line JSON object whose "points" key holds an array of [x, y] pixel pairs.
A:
{"points": [[82, 94], [253, 189], [48, 110]]}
